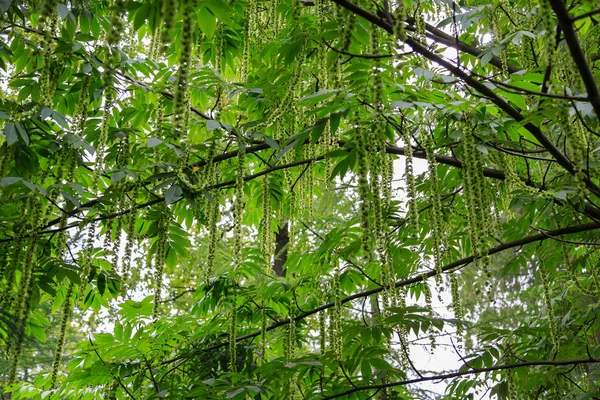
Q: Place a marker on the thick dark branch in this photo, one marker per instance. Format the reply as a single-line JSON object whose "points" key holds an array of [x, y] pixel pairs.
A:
{"points": [[411, 281], [586, 15], [566, 24], [554, 363]]}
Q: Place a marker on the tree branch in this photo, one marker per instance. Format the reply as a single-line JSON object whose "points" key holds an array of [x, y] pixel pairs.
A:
{"points": [[566, 24], [555, 363], [586, 15]]}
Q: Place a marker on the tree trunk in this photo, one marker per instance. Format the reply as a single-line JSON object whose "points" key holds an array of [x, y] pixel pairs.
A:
{"points": [[282, 240]]}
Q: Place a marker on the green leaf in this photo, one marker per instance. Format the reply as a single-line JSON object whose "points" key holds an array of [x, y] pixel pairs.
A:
{"points": [[72, 199], [516, 99], [73, 276], [63, 10], [101, 283], [344, 165], [486, 58], [10, 180], [173, 194], [45, 112], [221, 10], [141, 15], [272, 143], [207, 23], [153, 142], [4, 6], [117, 176], [232, 393], [402, 104], [381, 364], [212, 124], [10, 131], [22, 133], [286, 149], [59, 118]]}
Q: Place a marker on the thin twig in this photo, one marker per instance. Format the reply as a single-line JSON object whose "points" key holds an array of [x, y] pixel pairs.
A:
{"points": [[113, 375]]}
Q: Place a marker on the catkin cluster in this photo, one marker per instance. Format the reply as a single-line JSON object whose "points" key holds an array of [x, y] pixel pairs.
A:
{"points": [[336, 322], [130, 219], [168, 12], [233, 336], [81, 111], [26, 258], [364, 190], [437, 216], [117, 26], [322, 296], [429, 306], [219, 48], [180, 100], [286, 105], [88, 252], [238, 210], [250, 33], [263, 332], [456, 303], [554, 338], [66, 174], [399, 18], [548, 26], [411, 191], [266, 241], [48, 74], [376, 143], [577, 145], [478, 201], [159, 258], [154, 51], [66, 311], [213, 218], [347, 31], [273, 16], [289, 349]]}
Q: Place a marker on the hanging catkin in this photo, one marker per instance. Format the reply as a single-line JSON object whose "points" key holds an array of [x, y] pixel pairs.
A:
{"points": [[364, 190], [233, 336], [266, 242], [180, 98], [436, 215], [411, 191], [479, 215], [159, 257], [238, 210], [214, 213]]}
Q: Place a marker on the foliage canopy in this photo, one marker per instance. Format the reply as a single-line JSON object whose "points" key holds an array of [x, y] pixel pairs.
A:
{"points": [[224, 199]]}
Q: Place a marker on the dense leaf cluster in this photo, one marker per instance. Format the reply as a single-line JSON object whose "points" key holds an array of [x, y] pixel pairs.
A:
{"points": [[263, 198]]}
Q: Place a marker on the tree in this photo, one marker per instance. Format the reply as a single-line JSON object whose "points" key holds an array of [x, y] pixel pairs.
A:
{"points": [[235, 184]]}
